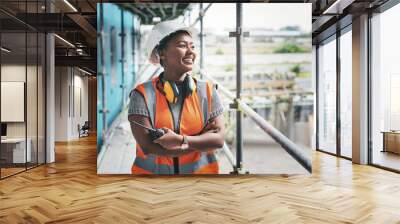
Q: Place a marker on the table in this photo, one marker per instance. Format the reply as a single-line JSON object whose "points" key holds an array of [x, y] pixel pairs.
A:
{"points": [[13, 150], [391, 141]]}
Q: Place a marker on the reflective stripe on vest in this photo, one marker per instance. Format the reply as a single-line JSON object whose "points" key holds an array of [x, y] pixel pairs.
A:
{"points": [[195, 113], [205, 159], [149, 164], [203, 99], [151, 97]]}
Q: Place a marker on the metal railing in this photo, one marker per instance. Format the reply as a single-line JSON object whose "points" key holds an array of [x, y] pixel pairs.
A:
{"points": [[290, 147]]}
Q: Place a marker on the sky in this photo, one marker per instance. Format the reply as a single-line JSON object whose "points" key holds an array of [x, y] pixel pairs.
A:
{"points": [[258, 15]]}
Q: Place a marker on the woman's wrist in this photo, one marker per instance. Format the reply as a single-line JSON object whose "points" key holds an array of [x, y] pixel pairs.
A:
{"points": [[181, 139], [185, 143]]}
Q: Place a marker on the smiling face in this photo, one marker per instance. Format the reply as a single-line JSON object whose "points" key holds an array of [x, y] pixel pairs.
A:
{"points": [[179, 54]]}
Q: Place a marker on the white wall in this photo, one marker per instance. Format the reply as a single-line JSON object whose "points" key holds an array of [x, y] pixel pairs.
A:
{"points": [[61, 103], [80, 89], [70, 84], [12, 73]]}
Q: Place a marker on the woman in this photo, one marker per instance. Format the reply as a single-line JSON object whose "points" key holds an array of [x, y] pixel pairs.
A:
{"points": [[188, 110]]}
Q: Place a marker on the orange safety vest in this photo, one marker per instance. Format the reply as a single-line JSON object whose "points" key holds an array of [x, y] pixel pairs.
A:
{"points": [[194, 115]]}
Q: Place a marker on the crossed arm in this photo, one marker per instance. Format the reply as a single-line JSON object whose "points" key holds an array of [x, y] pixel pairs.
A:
{"points": [[169, 144]]}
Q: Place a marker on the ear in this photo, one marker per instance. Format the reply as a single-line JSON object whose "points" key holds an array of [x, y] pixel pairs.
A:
{"points": [[162, 55], [163, 58]]}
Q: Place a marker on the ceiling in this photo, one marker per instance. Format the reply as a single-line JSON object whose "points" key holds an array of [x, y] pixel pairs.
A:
{"points": [[328, 15], [148, 11], [76, 22]]}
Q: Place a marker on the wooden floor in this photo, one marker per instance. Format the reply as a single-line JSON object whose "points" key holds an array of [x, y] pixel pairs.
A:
{"points": [[10, 171], [387, 159], [70, 191]]}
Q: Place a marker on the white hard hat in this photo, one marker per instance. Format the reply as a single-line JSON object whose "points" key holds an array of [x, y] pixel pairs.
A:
{"points": [[161, 30]]}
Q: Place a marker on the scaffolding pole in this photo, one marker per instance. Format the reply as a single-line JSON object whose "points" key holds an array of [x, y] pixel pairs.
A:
{"points": [[122, 35], [103, 78], [201, 15], [239, 136]]}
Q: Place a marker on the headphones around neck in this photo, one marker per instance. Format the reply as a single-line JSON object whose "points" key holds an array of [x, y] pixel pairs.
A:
{"points": [[171, 91]]}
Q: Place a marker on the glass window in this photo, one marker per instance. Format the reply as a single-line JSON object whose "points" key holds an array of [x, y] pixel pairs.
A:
{"points": [[22, 92], [327, 96], [14, 153], [346, 94], [385, 84]]}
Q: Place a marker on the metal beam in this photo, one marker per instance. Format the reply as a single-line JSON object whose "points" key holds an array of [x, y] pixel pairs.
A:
{"points": [[81, 21], [327, 31], [17, 19], [85, 61], [42, 22], [204, 12], [161, 7], [174, 10], [137, 11], [146, 6], [320, 22], [85, 25], [338, 6], [91, 6]]}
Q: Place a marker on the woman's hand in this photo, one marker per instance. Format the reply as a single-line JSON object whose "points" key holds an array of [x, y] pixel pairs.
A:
{"points": [[170, 140], [211, 127]]}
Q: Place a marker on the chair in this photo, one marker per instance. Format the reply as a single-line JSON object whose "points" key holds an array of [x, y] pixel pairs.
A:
{"points": [[84, 130]]}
